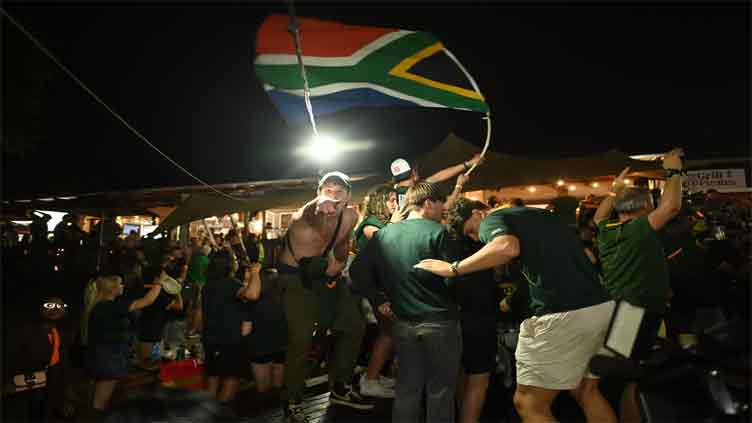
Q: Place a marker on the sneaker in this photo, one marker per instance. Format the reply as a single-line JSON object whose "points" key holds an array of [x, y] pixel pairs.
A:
{"points": [[349, 398], [387, 382], [373, 388], [294, 413]]}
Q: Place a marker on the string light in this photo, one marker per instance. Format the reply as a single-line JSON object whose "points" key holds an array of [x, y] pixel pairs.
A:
{"points": [[531, 189], [560, 183], [627, 181], [572, 187], [594, 184]]}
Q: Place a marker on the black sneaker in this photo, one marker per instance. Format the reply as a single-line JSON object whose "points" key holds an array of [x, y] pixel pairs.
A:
{"points": [[294, 413], [349, 398]]}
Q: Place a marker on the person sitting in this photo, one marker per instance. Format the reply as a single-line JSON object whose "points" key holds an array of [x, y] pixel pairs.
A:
{"points": [[104, 331]]}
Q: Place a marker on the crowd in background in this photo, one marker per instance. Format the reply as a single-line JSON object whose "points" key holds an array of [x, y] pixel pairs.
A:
{"points": [[99, 301]]}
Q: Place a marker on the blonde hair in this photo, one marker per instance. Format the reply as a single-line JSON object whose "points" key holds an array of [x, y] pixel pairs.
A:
{"points": [[96, 290]]}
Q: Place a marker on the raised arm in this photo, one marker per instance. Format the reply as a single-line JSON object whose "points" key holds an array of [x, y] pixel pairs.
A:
{"points": [[251, 291], [458, 186], [670, 204], [607, 205], [147, 299], [451, 171]]}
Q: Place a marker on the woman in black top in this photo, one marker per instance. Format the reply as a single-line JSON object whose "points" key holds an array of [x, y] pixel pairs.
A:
{"points": [[225, 324], [104, 331]]}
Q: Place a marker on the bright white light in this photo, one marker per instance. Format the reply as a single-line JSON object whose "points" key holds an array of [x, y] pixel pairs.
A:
{"points": [[572, 187], [627, 181], [560, 183], [595, 184], [531, 189], [322, 148], [325, 148], [57, 217]]}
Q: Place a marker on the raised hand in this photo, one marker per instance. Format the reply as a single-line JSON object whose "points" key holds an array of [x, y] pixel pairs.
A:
{"points": [[619, 185], [326, 205], [673, 159]]}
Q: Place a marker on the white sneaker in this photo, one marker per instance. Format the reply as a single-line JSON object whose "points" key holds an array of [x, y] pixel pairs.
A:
{"points": [[372, 388], [387, 382]]}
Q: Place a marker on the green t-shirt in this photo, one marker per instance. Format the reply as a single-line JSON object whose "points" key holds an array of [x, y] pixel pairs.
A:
{"points": [[360, 238], [565, 209], [633, 262], [109, 322], [388, 261], [197, 268], [560, 276]]}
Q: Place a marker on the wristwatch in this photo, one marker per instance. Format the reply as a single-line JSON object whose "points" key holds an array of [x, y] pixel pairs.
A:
{"points": [[454, 268], [672, 172]]}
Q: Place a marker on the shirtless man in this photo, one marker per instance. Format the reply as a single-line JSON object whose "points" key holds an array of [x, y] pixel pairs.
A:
{"points": [[317, 238]]}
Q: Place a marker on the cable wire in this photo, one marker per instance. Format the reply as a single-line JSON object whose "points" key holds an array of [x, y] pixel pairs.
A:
{"points": [[117, 116]]}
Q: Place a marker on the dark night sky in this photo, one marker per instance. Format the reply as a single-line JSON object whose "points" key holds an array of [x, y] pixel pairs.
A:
{"points": [[560, 79]]}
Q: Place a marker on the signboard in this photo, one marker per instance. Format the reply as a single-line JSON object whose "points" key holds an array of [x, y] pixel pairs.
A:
{"points": [[719, 179]]}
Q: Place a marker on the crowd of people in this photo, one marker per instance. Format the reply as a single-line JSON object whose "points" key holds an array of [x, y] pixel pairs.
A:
{"points": [[436, 270]]}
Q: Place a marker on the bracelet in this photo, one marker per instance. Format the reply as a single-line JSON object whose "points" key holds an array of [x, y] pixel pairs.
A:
{"points": [[672, 172], [454, 268]]}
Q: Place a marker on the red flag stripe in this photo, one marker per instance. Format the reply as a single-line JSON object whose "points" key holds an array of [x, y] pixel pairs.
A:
{"points": [[318, 38]]}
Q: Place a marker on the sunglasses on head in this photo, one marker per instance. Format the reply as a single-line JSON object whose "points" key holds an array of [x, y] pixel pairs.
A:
{"points": [[52, 306]]}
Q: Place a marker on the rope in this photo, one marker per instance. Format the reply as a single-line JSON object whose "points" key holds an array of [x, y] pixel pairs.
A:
{"points": [[294, 30], [487, 117], [109, 109]]}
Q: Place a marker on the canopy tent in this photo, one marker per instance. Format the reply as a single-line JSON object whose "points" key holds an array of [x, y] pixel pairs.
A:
{"points": [[503, 170], [498, 170], [199, 206]]}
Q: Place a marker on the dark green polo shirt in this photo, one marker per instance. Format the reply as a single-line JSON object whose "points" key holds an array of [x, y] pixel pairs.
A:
{"points": [[560, 276], [387, 263], [633, 262]]}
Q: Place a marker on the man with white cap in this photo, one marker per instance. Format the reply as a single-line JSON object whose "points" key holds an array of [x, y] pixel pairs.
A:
{"points": [[313, 255], [405, 176]]}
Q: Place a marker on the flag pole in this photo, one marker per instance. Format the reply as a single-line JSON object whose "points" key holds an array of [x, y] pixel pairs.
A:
{"points": [[294, 30], [487, 117]]}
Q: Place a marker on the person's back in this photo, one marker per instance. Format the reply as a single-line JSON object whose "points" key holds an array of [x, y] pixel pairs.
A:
{"points": [[223, 312], [413, 292], [560, 275]]}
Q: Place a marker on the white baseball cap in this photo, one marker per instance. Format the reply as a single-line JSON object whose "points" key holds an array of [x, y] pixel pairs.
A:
{"points": [[400, 170]]}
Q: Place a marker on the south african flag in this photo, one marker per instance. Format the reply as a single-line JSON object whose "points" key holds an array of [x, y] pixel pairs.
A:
{"points": [[359, 66]]}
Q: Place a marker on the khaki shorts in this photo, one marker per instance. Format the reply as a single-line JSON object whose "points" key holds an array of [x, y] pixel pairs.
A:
{"points": [[554, 350]]}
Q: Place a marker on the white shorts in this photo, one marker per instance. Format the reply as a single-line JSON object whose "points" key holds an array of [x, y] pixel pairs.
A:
{"points": [[554, 350]]}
